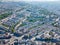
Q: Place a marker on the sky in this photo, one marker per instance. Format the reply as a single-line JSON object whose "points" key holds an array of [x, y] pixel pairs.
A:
{"points": [[28, 0]]}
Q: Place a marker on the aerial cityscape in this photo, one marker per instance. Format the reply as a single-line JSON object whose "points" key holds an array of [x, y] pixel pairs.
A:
{"points": [[29, 23]]}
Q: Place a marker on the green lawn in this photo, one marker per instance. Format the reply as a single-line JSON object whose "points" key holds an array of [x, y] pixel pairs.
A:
{"points": [[2, 16]]}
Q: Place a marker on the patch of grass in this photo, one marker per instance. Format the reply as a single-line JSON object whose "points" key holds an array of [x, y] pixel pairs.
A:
{"points": [[2, 16]]}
